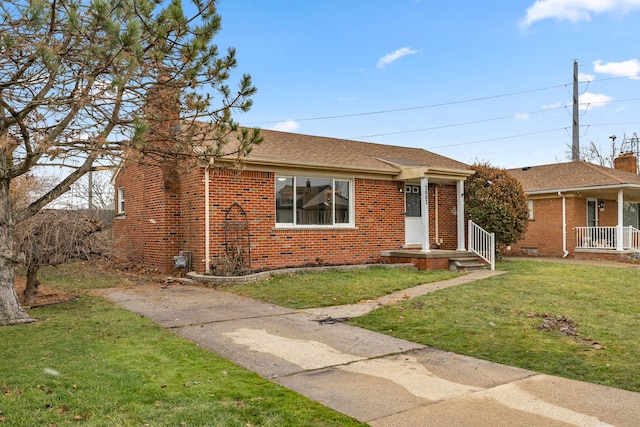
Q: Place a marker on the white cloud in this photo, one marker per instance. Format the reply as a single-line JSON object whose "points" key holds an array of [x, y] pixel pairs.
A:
{"points": [[552, 106], [593, 100], [394, 56], [630, 68], [287, 126], [574, 10], [522, 117], [582, 77]]}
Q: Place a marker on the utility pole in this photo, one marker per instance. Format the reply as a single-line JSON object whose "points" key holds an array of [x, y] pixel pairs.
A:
{"points": [[575, 141]]}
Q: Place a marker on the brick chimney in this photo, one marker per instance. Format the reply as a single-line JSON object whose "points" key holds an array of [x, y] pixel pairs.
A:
{"points": [[626, 162]]}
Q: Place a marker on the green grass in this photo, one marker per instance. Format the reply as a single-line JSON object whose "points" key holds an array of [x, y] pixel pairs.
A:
{"points": [[120, 369], [337, 287], [79, 276], [498, 319]]}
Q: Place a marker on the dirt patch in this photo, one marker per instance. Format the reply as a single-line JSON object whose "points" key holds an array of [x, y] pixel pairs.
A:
{"points": [[562, 324], [45, 295], [565, 326], [132, 277]]}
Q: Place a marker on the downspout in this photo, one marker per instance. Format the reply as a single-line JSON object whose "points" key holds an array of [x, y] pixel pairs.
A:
{"points": [[619, 228], [207, 220], [436, 215], [564, 225]]}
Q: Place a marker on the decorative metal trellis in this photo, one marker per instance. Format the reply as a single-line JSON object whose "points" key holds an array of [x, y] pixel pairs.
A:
{"points": [[237, 241]]}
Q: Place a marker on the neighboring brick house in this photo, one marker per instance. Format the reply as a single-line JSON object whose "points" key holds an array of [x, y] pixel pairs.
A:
{"points": [[581, 210], [298, 200]]}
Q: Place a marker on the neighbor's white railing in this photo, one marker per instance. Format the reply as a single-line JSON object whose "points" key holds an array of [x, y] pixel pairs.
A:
{"points": [[605, 238], [482, 243], [631, 238]]}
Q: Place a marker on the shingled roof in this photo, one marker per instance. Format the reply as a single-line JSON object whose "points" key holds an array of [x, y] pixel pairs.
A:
{"points": [[573, 176], [293, 149]]}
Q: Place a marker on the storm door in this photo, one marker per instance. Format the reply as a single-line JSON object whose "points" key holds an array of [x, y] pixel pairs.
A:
{"points": [[413, 229]]}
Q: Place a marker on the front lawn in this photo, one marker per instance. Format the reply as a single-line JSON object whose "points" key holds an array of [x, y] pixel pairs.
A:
{"points": [[88, 362], [527, 318], [337, 287]]}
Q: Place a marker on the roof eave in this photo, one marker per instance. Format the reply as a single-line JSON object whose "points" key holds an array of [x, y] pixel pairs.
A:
{"points": [[314, 165], [408, 173], [589, 188]]}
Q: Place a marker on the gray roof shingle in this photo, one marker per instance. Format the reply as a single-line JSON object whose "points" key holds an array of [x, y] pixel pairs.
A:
{"points": [[571, 175]]}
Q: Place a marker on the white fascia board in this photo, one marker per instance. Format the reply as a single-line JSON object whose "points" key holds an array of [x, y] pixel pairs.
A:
{"points": [[591, 188]]}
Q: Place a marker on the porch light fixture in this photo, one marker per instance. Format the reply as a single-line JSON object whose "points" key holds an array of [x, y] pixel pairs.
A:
{"points": [[601, 204]]}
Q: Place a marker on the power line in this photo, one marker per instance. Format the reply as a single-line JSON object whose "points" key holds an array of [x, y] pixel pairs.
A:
{"points": [[501, 138], [456, 124], [442, 104], [487, 120]]}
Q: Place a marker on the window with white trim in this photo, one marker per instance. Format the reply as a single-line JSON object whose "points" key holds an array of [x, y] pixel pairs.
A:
{"points": [[530, 209], [309, 201], [120, 200]]}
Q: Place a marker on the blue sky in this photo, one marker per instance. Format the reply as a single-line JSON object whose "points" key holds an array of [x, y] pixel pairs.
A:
{"points": [[489, 81]]}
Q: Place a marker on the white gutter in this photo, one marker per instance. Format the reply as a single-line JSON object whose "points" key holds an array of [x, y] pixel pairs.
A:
{"points": [[255, 161], [564, 225], [591, 188]]}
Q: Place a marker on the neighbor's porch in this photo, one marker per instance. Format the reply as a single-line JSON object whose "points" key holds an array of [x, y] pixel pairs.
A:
{"points": [[608, 242]]}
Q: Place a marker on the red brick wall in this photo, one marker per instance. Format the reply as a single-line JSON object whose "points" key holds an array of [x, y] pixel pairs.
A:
{"points": [[165, 216], [379, 224], [544, 232], [128, 229], [149, 233], [608, 216], [446, 221], [626, 162]]}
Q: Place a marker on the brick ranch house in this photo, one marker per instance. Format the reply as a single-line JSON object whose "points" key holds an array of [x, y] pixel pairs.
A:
{"points": [[298, 200], [581, 210]]}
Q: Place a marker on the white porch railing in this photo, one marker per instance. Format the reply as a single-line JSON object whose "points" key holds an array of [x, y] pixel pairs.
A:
{"points": [[605, 238], [482, 243], [631, 238]]}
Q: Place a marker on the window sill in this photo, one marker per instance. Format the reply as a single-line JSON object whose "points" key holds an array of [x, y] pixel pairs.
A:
{"points": [[314, 227]]}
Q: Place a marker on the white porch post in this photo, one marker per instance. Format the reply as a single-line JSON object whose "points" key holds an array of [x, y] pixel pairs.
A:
{"points": [[460, 217], [424, 208], [619, 242]]}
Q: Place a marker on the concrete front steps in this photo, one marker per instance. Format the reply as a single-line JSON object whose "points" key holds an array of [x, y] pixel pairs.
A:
{"points": [[467, 263]]}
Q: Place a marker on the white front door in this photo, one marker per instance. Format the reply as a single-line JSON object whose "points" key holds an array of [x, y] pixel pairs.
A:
{"points": [[413, 226]]}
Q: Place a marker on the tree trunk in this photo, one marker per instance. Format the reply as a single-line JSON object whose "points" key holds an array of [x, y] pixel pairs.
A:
{"points": [[31, 289], [10, 311]]}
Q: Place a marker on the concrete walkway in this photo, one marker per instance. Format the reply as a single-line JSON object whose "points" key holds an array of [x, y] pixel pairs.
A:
{"points": [[374, 378]]}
